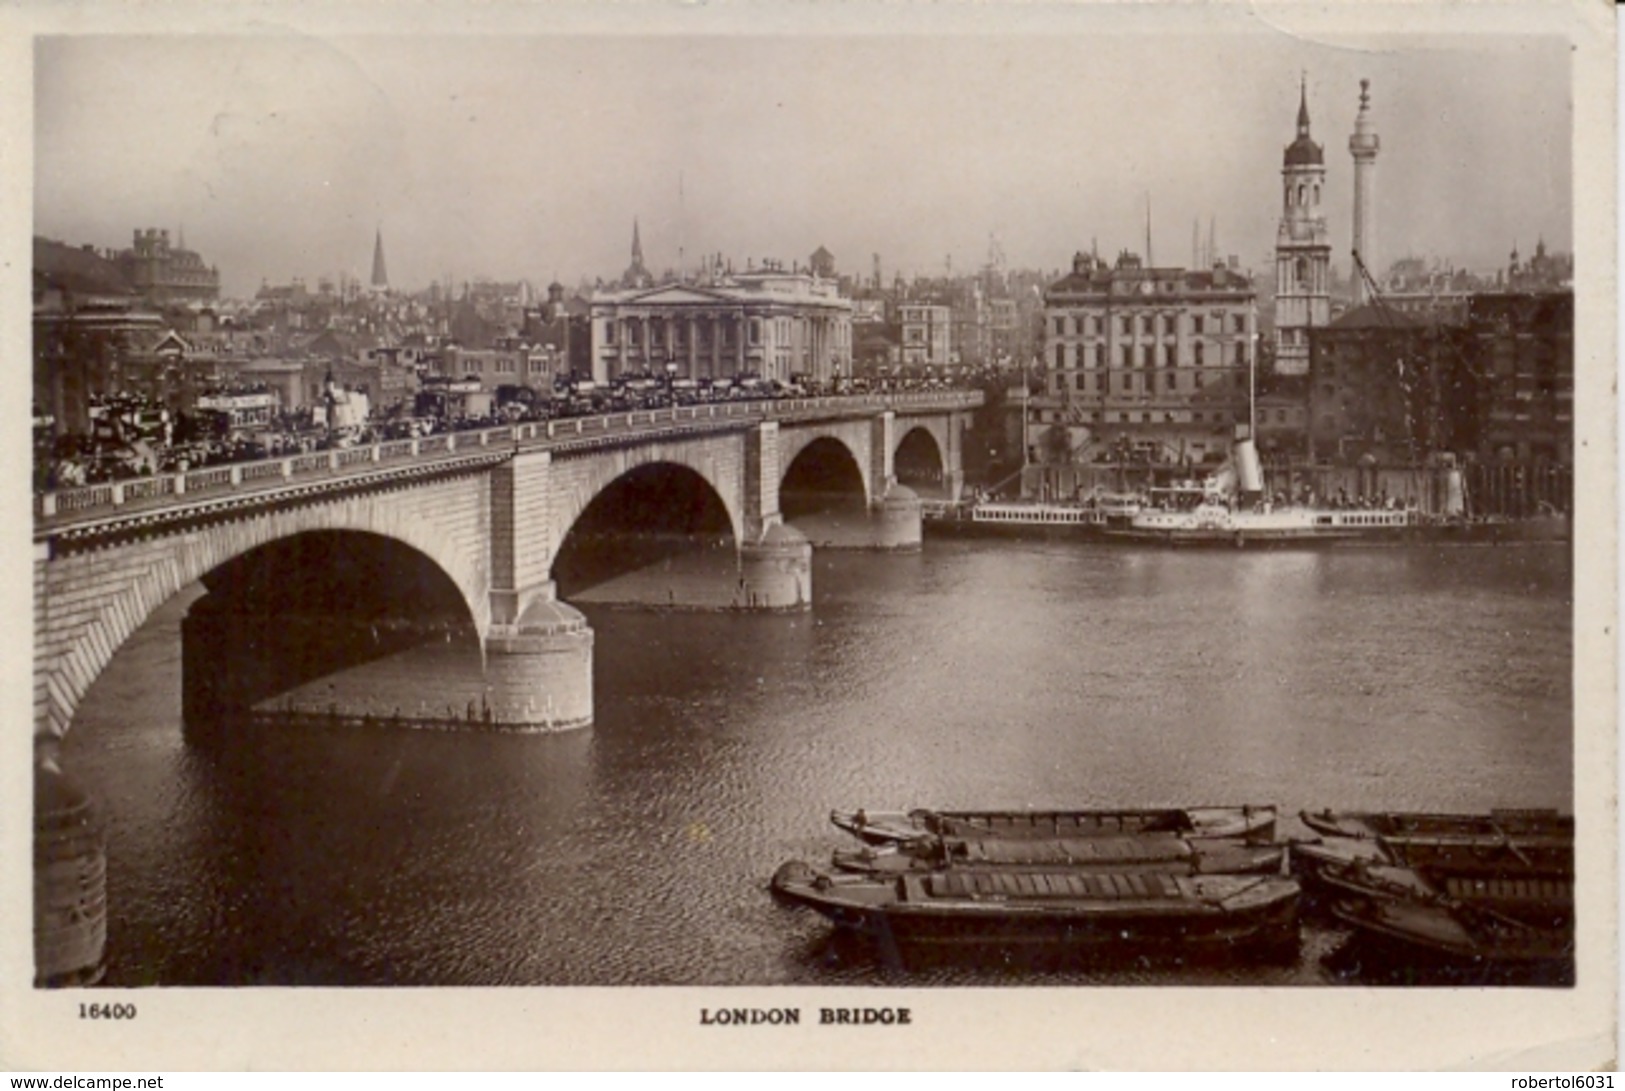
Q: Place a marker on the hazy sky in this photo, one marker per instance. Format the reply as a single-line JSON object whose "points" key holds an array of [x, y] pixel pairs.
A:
{"points": [[530, 156]]}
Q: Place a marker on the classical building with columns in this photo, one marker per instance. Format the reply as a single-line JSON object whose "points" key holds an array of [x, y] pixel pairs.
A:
{"points": [[767, 322]]}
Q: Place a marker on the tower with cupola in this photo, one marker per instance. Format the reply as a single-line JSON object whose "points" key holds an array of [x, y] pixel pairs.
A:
{"points": [[1303, 249]]}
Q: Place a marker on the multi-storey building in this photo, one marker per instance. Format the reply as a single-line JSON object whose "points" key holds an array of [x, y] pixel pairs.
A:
{"points": [[1523, 344], [1302, 249], [87, 328], [161, 273], [1154, 359], [1377, 377], [1497, 385], [766, 322], [926, 330], [1005, 342]]}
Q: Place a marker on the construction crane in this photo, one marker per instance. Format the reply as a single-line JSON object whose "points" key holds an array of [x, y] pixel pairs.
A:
{"points": [[1470, 368], [1406, 385]]}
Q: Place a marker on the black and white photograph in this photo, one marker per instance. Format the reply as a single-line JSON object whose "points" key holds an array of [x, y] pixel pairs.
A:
{"points": [[817, 530]]}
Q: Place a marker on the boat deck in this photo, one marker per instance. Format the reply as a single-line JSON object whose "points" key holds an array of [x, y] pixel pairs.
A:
{"points": [[1074, 886]]}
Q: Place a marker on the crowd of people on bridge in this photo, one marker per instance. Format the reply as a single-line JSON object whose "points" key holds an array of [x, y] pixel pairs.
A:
{"points": [[132, 437]]}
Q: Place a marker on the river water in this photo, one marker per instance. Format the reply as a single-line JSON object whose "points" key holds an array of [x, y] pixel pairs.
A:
{"points": [[970, 674]]}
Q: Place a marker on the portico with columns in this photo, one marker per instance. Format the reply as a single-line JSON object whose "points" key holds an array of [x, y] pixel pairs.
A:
{"points": [[772, 327]]}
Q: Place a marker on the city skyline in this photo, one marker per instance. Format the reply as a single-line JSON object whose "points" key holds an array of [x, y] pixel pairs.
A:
{"points": [[530, 158]]}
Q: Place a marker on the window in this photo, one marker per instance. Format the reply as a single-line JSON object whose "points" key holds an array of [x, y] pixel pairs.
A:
{"points": [[1199, 347], [1100, 382], [1196, 323], [1170, 325], [1128, 355], [1241, 354], [1098, 325], [1077, 381], [1148, 324], [1060, 356], [756, 331], [1148, 355], [1125, 325], [1170, 355], [1238, 323], [1100, 354], [609, 333], [1128, 382], [1060, 327]]}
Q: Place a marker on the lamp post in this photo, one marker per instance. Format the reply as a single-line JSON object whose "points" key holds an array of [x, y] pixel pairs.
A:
{"points": [[671, 381]]}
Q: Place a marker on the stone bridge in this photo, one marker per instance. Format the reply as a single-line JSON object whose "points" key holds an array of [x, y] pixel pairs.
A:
{"points": [[464, 531]]}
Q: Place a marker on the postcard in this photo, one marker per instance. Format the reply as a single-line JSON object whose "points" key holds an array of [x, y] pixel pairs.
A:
{"points": [[1062, 536]]}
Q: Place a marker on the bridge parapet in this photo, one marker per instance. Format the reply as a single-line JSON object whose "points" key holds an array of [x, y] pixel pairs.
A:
{"points": [[66, 505]]}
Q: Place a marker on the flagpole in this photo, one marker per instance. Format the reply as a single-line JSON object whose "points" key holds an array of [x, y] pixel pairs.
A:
{"points": [[1026, 392], [1252, 378]]}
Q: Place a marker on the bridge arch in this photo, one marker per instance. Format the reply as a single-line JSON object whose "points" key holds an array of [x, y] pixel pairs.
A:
{"points": [[821, 468], [654, 510], [920, 461], [578, 482], [89, 603]]}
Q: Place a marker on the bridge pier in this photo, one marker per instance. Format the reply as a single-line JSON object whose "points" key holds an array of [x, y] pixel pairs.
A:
{"points": [[70, 881], [538, 670], [775, 571], [897, 520]]}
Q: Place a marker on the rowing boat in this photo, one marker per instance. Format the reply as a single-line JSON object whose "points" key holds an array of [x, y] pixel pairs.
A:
{"points": [[1254, 823]]}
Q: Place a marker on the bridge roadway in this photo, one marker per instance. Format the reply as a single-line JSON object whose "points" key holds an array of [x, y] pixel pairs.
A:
{"points": [[76, 509]]}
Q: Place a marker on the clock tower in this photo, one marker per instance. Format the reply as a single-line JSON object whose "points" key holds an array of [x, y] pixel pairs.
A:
{"points": [[1302, 249]]}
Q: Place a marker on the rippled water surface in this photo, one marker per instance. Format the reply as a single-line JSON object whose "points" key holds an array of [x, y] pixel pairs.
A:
{"points": [[972, 674]]}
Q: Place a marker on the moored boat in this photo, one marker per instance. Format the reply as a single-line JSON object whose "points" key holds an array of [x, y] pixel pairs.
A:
{"points": [[1455, 931], [1066, 910], [1216, 523], [1160, 852], [1532, 900], [1088, 518], [1495, 825], [1465, 856], [1252, 822]]}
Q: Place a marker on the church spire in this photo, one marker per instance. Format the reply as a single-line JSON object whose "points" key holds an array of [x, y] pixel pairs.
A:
{"points": [[637, 245], [380, 277], [1303, 104]]}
